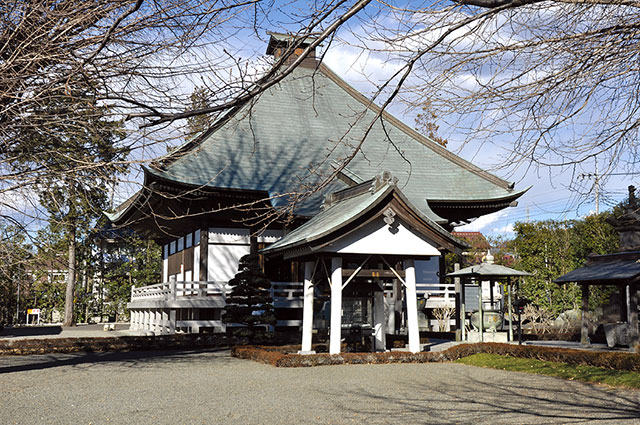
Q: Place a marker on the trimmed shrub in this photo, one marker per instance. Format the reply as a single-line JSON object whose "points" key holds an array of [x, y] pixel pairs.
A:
{"points": [[123, 343], [286, 357]]}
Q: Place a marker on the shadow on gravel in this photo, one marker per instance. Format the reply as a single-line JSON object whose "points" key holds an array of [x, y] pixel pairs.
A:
{"points": [[10, 364], [30, 331], [469, 400]]}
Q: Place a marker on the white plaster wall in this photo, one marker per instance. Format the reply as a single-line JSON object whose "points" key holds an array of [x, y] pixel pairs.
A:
{"points": [[165, 263], [223, 261], [196, 262], [377, 238], [228, 236]]}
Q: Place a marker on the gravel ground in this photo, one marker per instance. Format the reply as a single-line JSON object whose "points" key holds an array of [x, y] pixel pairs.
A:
{"points": [[211, 387]]}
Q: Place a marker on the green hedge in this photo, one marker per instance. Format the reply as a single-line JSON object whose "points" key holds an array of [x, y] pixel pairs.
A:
{"points": [[286, 357]]}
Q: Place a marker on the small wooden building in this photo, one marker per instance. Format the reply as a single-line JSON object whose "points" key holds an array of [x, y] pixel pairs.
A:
{"points": [[621, 269], [223, 195]]}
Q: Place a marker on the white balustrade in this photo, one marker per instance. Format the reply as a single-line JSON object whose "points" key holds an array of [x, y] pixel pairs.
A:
{"points": [[173, 290]]}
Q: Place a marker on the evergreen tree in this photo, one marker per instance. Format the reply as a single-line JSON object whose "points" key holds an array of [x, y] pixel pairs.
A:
{"points": [[126, 260], [82, 158], [249, 302], [198, 123], [550, 249]]}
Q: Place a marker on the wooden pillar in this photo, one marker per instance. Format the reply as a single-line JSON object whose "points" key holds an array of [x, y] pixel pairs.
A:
{"points": [[480, 315], [307, 309], [412, 306], [379, 321], [509, 308], [633, 317], [204, 254], [459, 302], [336, 306], [584, 333]]}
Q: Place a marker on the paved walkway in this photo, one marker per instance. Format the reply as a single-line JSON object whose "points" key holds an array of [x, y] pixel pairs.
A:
{"points": [[211, 387]]}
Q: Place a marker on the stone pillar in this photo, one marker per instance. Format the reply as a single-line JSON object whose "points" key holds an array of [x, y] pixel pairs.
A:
{"points": [[634, 340], [132, 320], [145, 321], [412, 306], [624, 302], [336, 306], [158, 322], [172, 322], [379, 321], [307, 309], [584, 333], [165, 322]]}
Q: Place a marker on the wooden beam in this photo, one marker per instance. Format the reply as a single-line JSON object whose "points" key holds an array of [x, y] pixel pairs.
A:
{"points": [[204, 254], [634, 340], [372, 273], [584, 332]]}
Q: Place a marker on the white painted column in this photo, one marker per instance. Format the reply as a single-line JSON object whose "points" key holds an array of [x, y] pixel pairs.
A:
{"points": [[336, 306], [378, 319], [412, 306], [165, 263], [307, 309], [145, 320]]}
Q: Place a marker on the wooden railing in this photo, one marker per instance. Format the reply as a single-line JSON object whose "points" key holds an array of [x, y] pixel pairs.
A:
{"points": [[437, 294], [287, 290]]}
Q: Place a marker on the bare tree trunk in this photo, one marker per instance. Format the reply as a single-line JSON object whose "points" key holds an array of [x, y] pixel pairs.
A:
{"points": [[71, 279]]}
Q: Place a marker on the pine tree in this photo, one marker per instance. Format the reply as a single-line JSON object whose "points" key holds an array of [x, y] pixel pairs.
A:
{"points": [[250, 303]]}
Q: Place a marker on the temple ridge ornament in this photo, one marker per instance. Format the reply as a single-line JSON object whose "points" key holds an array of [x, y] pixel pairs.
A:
{"points": [[389, 216]]}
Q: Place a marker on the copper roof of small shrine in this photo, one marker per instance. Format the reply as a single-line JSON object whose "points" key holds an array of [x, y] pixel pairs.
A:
{"points": [[606, 269], [487, 270], [348, 206]]}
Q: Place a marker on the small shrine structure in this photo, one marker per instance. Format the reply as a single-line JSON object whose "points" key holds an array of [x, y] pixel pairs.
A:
{"points": [[621, 269]]}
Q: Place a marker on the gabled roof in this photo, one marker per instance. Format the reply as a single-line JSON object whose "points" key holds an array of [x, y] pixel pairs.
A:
{"points": [[352, 208], [293, 135]]}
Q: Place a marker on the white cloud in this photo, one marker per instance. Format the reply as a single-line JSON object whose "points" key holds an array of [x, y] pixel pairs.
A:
{"points": [[484, 223]]}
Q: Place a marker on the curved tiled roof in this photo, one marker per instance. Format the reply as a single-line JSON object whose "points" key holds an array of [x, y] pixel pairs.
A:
{"points": [[292, 135]]}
